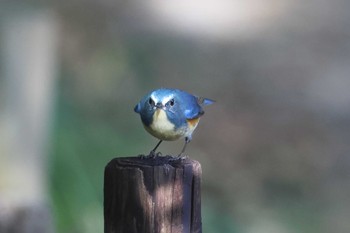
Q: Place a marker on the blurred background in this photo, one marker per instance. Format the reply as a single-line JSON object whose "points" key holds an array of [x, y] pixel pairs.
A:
{"points": [[274, 148]]}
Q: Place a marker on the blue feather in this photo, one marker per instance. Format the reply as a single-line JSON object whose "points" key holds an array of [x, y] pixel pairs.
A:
{"points": [[184, 106]]}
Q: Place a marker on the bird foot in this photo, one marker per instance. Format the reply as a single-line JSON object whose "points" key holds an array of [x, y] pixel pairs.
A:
{"points": [[152, 154], [178, 158], [182, 156], [142, 156]]}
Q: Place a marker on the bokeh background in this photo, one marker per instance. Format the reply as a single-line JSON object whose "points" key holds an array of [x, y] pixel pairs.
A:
{"points": [[274, 148]]}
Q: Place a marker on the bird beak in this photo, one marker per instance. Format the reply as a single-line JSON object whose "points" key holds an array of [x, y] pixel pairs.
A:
{"points": [[159, 105]]}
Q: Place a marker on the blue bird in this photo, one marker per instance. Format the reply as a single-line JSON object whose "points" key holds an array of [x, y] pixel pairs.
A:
{"points": [[171, 114]]}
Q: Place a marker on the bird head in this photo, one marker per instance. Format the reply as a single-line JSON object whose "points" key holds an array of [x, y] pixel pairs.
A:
{"points": [[158, 100]]}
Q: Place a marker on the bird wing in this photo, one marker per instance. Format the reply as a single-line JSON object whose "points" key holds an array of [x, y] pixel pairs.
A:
{"points": [[137, 108], [193, 113], [192, 108]]}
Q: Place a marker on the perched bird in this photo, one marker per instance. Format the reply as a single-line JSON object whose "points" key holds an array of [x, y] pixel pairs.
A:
{"points": [[171, 114]]}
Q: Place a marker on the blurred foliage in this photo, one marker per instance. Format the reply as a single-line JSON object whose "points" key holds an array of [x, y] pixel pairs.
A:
{"points": [[88, 133], [273, 148]]}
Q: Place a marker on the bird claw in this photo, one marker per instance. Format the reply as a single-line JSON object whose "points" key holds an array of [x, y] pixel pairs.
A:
{"points": [[154, 155], [182, 156]]}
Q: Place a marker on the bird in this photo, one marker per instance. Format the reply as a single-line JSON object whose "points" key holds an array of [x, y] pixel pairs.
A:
{"points": [[170, 114]]}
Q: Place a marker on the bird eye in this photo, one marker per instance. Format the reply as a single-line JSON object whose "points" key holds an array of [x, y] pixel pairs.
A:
{"points": [[172, 102], [150, 101]]}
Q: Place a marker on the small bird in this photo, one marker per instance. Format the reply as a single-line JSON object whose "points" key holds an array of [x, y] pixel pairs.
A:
{"points": [[171, 114]]}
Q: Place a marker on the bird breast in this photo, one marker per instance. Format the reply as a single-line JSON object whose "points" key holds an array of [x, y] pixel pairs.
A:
{"points": [[162, 128]]}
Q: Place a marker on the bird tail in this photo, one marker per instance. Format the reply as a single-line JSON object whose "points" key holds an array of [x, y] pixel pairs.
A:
{"points": [[205, 101]]}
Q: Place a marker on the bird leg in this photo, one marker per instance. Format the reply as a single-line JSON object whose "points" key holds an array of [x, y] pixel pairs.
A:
{"points": [[153, 154], [181, 155]]}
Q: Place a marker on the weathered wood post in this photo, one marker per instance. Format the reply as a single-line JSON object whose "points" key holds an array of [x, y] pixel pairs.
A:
{"points": [[152, 195]]}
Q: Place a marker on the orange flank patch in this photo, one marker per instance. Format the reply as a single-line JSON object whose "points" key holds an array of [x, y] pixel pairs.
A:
{"points": [[193, 122]]}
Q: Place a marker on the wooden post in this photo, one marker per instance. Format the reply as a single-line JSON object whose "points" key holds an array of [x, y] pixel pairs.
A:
{"points": [[152, 195]]}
